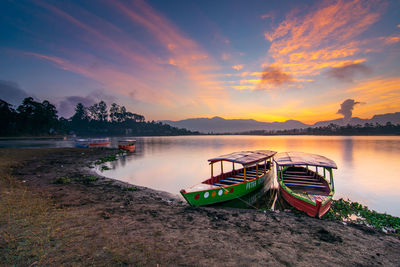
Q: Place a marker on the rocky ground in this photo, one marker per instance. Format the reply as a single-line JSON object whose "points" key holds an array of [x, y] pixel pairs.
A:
{"points": [[91, 220]]}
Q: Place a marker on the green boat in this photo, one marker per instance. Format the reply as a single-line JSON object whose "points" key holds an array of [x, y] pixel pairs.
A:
{"points": [[255, 169]]}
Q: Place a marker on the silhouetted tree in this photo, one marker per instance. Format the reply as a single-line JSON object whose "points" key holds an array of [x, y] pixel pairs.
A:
{"points": [[93, 112], [114, 110], [7, 118], [102, 111]]}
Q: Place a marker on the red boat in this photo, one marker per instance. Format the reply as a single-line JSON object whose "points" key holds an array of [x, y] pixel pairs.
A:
{"points": [[303, 181], [128, 145], [99, 142]]}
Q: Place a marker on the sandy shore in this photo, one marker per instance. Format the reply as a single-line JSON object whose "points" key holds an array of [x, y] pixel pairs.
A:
{"points": [[101, 221]]}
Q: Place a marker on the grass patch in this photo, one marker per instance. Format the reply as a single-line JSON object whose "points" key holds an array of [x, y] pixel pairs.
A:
{"points": [[62, 180], [87, 179], [130, 188], [106, 159], [346, 210], [104, 168]]}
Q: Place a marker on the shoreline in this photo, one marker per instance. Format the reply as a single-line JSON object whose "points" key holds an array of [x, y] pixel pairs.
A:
{"points": [[113, 222]]}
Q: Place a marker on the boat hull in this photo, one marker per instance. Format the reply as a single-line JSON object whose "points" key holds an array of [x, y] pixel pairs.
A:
{"points": [[226, 193], [127, 147], [99, 144], [316, 209]]}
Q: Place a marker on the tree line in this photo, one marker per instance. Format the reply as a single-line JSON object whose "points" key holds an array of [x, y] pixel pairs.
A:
{"points": [[333, 129], [32, 118]]}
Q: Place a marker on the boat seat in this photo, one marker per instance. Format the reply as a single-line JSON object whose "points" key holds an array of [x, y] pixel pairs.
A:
{"points": [[228, 181], [254, 172], [217, 184], [306, 185], [234, 179], [247, 175]]}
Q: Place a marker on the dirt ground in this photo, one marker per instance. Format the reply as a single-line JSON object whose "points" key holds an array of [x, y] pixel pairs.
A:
{"points": [[107, 222]]}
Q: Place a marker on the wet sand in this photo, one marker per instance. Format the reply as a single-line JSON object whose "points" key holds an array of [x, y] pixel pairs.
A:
{"points": [[110, 224]]}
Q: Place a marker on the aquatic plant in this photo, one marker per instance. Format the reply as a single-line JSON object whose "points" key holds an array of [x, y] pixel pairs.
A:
{"points": [[106, 159], [346, 210], [62, 180], [104, 168], [130, 188]]}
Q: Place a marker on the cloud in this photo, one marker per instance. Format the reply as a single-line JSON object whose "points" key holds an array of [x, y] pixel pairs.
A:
{"points": [[381, 93], [389, 40], [237, 67], [66, 106], [11, 92], [269, 15], [346, 109], [275, 76], [123, 63], [348, 72], [225, 56], [324, 37]]}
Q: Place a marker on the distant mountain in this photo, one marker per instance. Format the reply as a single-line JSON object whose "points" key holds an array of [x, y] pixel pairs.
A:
{"points": [[221, 125], [382, 119]]}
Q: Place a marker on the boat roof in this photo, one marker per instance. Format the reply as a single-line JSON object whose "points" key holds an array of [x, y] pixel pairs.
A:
{"points": [[245, 157], [301, 158]]}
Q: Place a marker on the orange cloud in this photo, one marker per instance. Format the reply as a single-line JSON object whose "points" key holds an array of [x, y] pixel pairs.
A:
{"points": [[237, 67], [381, 94], [138, 66], [325, 37], [185, 53], [275, 76], [390, 39]]}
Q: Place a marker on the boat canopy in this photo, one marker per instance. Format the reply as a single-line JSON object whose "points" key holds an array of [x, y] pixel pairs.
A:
{"points": [[245, 157], [301, 158]]}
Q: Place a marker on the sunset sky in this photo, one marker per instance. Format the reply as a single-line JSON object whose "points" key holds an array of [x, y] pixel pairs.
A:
{"points": [[172, 60]]}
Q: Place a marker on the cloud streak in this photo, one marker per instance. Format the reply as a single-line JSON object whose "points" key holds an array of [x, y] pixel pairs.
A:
{"points": [[348, 72], [237, 67], [323, 38], [127, 67]]}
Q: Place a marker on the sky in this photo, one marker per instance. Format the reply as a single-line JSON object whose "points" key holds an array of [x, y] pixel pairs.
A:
{"points": [[172, 60]]}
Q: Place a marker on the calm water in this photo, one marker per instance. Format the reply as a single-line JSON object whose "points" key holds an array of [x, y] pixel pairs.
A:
{"points": [[368, 167]]}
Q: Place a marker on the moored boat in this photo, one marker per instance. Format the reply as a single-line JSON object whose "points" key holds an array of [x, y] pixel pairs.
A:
{"points": [[303, 181], [92, 142], [128, 145], [254, 171]]}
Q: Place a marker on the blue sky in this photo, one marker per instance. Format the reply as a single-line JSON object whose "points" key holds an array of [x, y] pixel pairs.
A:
{"points": [[266, 60]]}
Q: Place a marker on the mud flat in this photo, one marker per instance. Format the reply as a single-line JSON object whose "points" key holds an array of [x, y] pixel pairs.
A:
{"points": [[55, 210]]}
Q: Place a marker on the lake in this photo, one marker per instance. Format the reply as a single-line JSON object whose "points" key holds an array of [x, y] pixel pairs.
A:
{"points": [[368, 166]]}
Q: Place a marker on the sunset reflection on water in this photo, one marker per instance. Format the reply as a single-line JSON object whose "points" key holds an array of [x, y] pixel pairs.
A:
{"points": [[368, 167]]}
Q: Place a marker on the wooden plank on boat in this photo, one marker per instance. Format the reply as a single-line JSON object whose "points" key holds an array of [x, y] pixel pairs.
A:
{"points": [[303, 178], [302, 182], [304, 185], [234, 179], [228, 182]]}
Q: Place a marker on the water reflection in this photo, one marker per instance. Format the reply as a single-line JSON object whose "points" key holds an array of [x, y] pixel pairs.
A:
{"points": [[368, 171]]}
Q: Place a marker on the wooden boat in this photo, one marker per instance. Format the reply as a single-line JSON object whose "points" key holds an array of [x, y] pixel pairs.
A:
{"points": [[128, 145], [302, 187], [92, 142], [256, 168]]}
